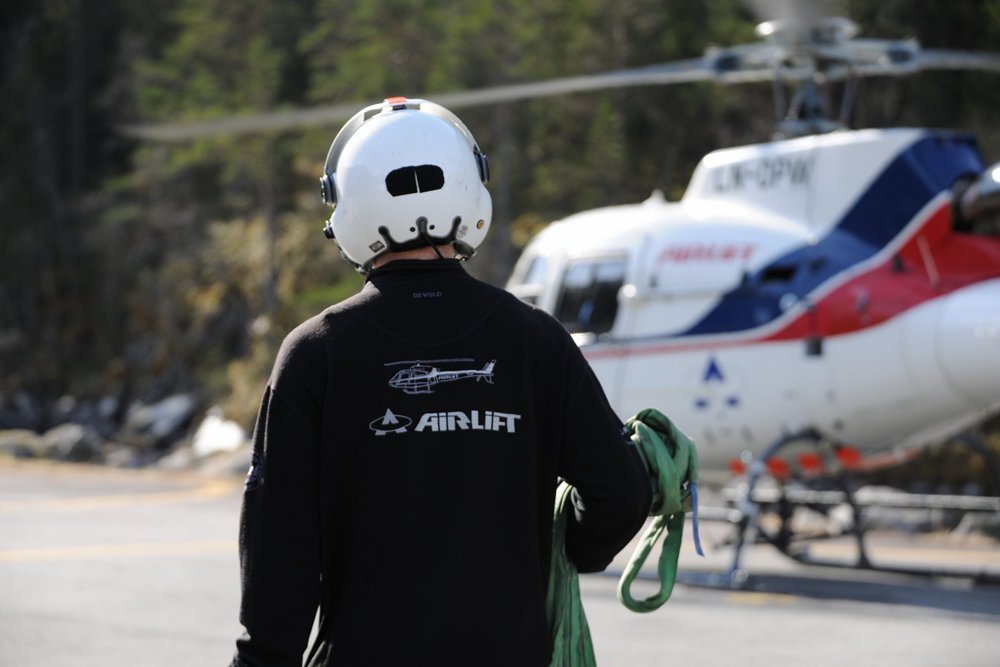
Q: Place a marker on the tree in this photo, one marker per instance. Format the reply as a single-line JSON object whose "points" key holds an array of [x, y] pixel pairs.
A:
{"points": [[57, 148], [165, 266]]}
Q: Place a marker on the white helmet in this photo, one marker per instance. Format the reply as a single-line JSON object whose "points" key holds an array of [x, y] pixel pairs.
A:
{"points": [[404, 174]]}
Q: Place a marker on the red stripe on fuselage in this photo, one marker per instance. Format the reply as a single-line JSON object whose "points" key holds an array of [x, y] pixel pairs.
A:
{"points": [[933, 262]]}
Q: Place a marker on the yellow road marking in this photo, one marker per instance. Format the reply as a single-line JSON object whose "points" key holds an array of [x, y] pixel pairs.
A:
{"points": [[756, 598], [205, 491], [112, 551]]}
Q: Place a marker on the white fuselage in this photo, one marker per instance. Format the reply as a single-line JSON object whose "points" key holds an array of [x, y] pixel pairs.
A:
{"points": [[867, 342], [920, 376]]}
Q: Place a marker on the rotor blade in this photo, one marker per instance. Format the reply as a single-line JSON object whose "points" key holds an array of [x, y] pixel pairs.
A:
{"points": [[270, 121], [741, 64], [683, 71], [944, 59], [915, 61]]}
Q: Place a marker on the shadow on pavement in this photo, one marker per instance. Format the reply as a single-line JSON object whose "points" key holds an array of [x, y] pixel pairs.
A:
{"points": [[864, 586]]}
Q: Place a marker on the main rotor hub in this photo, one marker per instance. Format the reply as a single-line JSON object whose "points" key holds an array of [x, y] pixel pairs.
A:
{"points": [[826, 31]]}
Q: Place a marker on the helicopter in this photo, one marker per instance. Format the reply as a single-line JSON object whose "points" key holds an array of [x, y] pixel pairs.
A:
{"points": [[420, 377], [812, 306], [794, 285]]}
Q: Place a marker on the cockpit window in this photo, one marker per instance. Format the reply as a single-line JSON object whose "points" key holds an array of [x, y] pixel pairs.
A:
{"points": [[588, 296], [536, 272], [530, 287]]}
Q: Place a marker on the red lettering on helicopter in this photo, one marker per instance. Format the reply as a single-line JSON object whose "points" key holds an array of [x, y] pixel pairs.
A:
{"points": [[762, 174], [706, 252]]}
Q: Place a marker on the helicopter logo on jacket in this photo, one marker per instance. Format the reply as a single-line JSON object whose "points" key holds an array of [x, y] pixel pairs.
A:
{"points": [[420, 377]]}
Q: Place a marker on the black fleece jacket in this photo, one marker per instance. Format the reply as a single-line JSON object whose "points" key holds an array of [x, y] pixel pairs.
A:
{"points": [[406, 455]]}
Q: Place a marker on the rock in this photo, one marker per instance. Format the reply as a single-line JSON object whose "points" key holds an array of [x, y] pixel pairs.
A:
{"points": [[120, 455], [182, 458], [157, 425], [98, 415], [217, 434], [19, 411], [107, 407], [22, 443], [65, 409], [74, 442]]}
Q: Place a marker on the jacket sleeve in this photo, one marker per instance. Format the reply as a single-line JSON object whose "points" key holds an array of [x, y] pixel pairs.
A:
{"points": [[279, 538], [612, 491]]}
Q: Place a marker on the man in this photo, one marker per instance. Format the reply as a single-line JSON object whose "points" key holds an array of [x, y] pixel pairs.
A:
{"points": [[410, 438]]}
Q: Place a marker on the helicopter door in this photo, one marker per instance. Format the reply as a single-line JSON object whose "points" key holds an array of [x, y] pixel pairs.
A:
{"points": [[587, 305], [588, 295]]}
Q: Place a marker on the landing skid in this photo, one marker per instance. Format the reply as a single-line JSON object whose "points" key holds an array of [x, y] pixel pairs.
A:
{"points": [[751, 501]]}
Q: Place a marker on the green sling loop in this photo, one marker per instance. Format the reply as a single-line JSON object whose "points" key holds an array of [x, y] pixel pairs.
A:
{"points": [[571, 644], [671, 461]]}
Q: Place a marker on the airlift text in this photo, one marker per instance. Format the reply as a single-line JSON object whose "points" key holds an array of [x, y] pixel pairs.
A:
{"points": [[460, 421]]}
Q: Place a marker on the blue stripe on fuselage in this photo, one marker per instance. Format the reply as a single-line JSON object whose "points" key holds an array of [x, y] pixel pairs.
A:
{"points": [[929, 166]]}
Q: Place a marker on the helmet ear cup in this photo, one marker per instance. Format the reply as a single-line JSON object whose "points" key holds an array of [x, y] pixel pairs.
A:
{"points": [[483, 163], [328, 190]]}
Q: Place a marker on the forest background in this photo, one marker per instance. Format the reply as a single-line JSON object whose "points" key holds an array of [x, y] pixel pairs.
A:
{"points": [[139, 269]]}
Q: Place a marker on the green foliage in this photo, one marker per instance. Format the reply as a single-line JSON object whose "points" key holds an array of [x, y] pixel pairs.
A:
{"points": [[967, 100], [178, 266], [225, 57]]}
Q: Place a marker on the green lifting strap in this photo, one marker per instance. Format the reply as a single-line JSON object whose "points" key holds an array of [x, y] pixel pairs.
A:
{"points": [[571, 644], [672, 463]]}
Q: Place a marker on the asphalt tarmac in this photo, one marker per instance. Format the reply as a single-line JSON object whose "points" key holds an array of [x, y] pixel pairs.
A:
{"points": [[107, 567]]}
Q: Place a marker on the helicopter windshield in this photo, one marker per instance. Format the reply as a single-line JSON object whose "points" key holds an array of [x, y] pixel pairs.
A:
{"points": [[530, 287]]}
